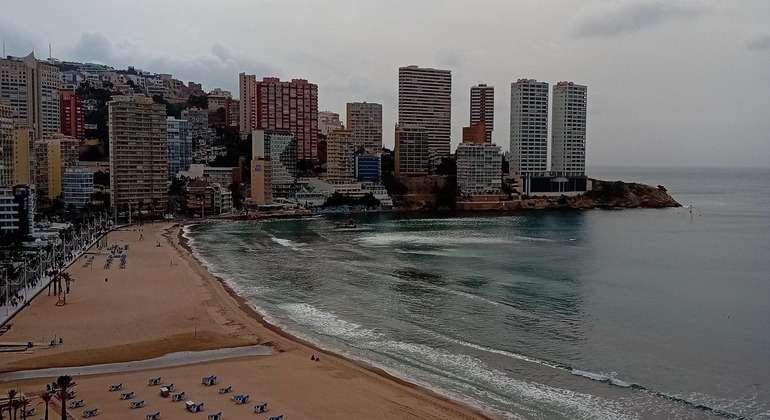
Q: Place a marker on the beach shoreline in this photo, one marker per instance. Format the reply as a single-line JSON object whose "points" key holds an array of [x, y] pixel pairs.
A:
{"points": [[164, 301]]}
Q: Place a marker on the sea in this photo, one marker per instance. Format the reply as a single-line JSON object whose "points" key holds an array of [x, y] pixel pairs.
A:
{"points": [[598, 314]]}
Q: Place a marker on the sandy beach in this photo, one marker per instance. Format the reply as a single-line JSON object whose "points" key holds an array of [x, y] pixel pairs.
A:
{"points": [[165, 301]]}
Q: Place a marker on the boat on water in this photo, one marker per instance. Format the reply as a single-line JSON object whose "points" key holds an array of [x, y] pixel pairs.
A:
{"points": [[350, 224]]}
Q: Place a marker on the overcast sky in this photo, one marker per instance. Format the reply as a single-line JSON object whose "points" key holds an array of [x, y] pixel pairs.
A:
{"points": [[669, 82]]}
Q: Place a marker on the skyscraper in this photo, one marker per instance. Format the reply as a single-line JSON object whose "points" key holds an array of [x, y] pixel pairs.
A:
{"points": [[365, 121], [247, 84], [180, 145], [568, 129], [425, 98], [31, 88], [529, 127], [72, 114], [483, 108], [138, 152], [289, 106]]}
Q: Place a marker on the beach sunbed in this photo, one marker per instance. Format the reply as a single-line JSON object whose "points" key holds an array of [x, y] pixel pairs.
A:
{"points": [[209, 380], [260, 408], [77, 403], [127, 395], [154, 381], [226, 390], [91, 413], [170, 387], [178, 397], [192, 407], [241, 399], [278, 417], [117, 387], [155, 416], [137, 404], [29, 412], [217, 416]]}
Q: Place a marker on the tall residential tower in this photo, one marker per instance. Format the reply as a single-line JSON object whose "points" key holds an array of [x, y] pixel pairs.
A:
{"points": [[365, 121], [529, 127], [289, 106], [31, 88], [483, 108], [425, 98], [568, 130]]}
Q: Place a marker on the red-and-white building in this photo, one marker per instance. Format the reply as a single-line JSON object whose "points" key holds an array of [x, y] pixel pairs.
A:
{"points": [[289, 106], [72, 114]]}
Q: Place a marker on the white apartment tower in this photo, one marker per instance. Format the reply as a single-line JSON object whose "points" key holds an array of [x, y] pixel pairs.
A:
{"points": [[529, 128], [138, 152], [483, 107], [479, 167], [568, 130], [365, 121], [425, 98], [31, 88]]}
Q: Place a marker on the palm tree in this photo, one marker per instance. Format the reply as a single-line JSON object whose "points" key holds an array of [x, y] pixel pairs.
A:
{"points": [[23, 404], [46, 399], [64, 393], [12, 404]]}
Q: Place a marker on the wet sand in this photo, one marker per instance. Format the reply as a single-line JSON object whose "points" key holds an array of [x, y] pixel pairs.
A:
{"points": [[165, 301]]}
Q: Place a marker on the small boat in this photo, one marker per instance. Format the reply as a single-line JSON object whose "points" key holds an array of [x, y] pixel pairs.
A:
{"points": [[350, 224]]}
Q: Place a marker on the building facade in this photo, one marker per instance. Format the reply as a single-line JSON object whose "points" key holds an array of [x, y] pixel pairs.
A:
{"points": [[479, 168], [329, 121], [568, 130], [340, 155], [180, 146], [138, 151], [72, 114], [53, 155], [261, 185], [246, 113], [290, 106], [425, 98], [23, 155], [411, 150], [368, 168], [280, 149], [77, 186], [198, 120], [31, 88], [6, 146], [364, 119], [529, 128], [483, 108]]}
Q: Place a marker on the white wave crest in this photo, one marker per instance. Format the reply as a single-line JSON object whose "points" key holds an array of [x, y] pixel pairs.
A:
{"points": [[326, 323]]}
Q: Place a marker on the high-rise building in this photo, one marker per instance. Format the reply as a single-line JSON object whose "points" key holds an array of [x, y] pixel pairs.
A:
{"points": [[180, 146], [289, 106], [425, 98], [72, 114], [529, 127], [200, 138], [364, 119], [411, 150], [31, 88], [329, 121], [568, 130], [77, 186], [53, 155], [483, 108], [340, 155], [280, 149], [6, 146], [138, 152], [246, 113], [232, 112], [23, 155], [479, 164]]}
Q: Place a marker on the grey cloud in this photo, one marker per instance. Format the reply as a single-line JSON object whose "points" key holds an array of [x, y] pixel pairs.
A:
{"points": [[633, 17], [759, 42], [17, 41], [92, 47]]}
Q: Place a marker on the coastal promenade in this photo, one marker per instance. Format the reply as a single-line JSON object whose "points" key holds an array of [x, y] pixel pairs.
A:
{"points": [[164, 301]]}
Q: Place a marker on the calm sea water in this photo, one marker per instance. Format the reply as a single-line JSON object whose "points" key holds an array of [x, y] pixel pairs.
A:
{"points": [[584, 315]]}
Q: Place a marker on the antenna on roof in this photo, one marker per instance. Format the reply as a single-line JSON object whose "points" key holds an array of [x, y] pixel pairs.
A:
{"points": [[49, 51], [4, 49]]}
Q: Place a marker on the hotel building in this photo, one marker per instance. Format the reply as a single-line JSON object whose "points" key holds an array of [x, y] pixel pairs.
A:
{"points": [[425, 98], [529, 128], [568, 130], [411, 150], [31, 88], [483, 108], [364, 119], [138, 151], [246, 113], [479, 164], [340, 155], [289, 106]]}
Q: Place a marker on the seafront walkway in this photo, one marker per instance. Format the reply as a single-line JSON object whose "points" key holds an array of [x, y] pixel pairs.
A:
{"points": [[30, 285]]}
